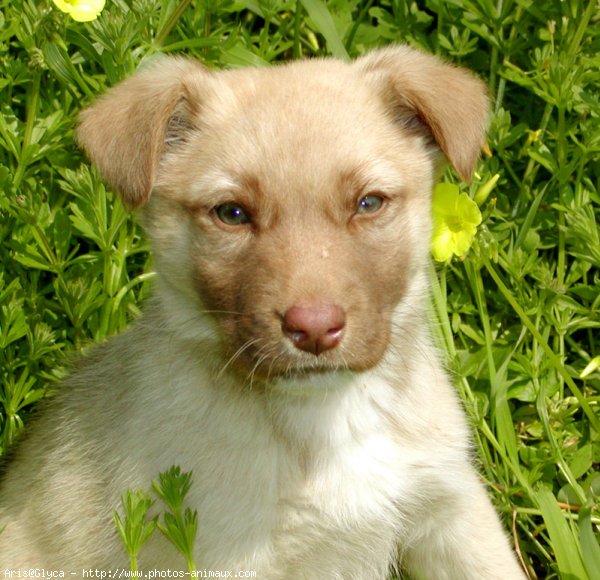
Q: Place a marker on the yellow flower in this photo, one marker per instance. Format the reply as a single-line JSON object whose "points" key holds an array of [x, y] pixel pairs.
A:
{"points": [[455, 220], [81, 10]]}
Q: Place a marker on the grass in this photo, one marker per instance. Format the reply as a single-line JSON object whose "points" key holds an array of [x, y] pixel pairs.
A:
{"points": [[518, 316]]}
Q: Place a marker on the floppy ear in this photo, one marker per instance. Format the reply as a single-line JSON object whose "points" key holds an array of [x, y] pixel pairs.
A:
{"points": [[125, 132], [451, 102]]}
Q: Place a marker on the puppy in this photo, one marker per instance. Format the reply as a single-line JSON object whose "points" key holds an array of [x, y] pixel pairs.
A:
{"points": [[285, 357]]}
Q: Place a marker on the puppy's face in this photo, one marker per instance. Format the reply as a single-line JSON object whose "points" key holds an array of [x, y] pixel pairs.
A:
{"points": [[296, 192], [290, 206]]}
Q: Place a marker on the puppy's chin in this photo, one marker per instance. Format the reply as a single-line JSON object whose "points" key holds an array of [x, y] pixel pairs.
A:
{"points": [[311, 382]]}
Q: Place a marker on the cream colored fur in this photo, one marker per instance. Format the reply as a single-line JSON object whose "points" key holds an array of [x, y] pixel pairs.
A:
{"points": [[337, 466]]}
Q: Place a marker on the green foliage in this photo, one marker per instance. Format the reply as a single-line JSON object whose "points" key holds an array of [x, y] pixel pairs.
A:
{"points": [[179, 526], [134, 529], [518, 317]]}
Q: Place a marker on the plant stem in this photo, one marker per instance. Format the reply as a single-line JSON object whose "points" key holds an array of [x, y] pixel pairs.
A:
{"points": [[477, 287], [356, 24], [171, 22], [32, 110]]}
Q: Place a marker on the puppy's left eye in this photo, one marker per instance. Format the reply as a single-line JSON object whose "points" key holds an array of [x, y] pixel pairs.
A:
{"points": [[232, 214], [369, 204]]}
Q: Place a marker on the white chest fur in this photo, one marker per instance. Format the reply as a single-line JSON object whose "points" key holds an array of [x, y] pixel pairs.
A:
{"points": [[296, 484]]}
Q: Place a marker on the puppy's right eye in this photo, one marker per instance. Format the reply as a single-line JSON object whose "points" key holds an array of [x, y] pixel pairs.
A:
{"points": [[232, 214], [369, 204]]}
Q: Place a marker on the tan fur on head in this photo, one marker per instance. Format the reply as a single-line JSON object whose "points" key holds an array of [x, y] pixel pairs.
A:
{"points": [[450, 101], [125, 131]]}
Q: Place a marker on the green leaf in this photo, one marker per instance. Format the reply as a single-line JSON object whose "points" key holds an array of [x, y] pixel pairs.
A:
{"points": [[564, 541], [60, 64], [321, 17], [239, 56], [134, 528], [589, 543], [13, 322], [172, 486]]}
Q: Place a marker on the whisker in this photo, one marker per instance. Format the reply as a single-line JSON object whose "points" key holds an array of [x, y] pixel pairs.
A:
{"points": [[273, 361], [236, 355], [259, 356], [259, 360], [233, 312]]}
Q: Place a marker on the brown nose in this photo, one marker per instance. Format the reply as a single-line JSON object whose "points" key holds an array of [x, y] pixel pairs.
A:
{"points": [[314, 328]]}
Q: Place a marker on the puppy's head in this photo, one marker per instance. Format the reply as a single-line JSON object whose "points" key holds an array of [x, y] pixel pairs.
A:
{"points": [[289, 206]]}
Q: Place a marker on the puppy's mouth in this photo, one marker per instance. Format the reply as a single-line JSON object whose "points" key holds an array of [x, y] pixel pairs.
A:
{"points": [[313, 371], [283, 366]]}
